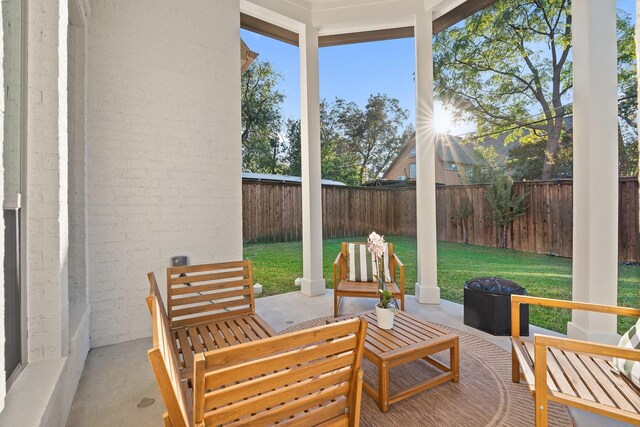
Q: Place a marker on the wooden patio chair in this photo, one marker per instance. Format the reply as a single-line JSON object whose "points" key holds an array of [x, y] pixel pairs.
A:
{"points": [[343, 287], [572, 372], [210, 306]]}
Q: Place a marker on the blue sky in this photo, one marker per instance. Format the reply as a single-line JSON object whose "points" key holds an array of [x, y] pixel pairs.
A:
{"points": [[353, 72]]}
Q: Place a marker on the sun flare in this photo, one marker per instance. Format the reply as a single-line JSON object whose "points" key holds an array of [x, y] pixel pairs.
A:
{"points": [[442, 119]]}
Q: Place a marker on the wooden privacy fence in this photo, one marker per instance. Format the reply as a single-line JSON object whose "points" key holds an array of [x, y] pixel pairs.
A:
{"points": [[272, 212]]}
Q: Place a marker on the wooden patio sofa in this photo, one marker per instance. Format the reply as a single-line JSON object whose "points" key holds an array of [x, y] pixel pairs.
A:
{"points": [[573, 372], [310, 377], [345, 288], [211, 306], [223, 318]]}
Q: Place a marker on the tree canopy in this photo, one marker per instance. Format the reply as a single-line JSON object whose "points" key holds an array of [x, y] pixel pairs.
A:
{"points": [[357, 144], [508, 68], [338, 162], [375, 133], [261, 119], [507, 61], [628, 97]]}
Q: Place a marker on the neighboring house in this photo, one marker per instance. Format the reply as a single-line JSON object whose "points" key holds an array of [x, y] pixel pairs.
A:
{"points": [[246, 56], [452, 159]]}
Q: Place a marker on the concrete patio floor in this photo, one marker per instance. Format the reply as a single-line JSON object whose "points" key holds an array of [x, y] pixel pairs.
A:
{"points": [[117, 387]]}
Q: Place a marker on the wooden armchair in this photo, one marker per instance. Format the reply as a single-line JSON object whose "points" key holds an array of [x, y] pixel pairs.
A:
{"points": [[311, 377], [572, 372], [342, 287], [212, 306]]}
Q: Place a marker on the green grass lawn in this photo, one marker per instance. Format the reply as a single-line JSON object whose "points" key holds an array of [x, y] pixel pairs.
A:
{"points": [[276, 266]]}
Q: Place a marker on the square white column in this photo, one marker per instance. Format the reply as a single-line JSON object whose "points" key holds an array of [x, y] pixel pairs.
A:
{"points": [[312, 281], [595, 167], [427, 290]]}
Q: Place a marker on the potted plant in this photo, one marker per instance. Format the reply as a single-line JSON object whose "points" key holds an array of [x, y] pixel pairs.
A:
{"points": [[385, 309]]}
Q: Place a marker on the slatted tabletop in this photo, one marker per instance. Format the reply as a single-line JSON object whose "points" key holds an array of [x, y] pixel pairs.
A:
{"points": [[407, 334], [410, 339]]}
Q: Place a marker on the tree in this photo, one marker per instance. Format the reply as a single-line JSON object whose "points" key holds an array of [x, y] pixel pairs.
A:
{"points": [[628, 98], [525, 161], [374, 133], [483, 171], [493, 71], [338, 161], [261, 119], [293, 151], [462, 215], [505, 205], [513, 58]]}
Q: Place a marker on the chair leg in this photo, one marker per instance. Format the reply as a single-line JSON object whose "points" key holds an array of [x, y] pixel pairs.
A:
{"points": [[336, 304], [166, 420]]}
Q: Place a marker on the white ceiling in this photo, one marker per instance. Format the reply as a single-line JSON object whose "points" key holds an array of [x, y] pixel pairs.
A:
{"points": [[344, 16]]}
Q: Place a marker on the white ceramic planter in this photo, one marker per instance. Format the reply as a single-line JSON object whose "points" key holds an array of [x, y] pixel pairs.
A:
{"points": [[385, 317]]}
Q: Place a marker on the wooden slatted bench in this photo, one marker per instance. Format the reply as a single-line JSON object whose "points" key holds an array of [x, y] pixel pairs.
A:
{"points": [[310, 377], [211, 306], [574, 373]]}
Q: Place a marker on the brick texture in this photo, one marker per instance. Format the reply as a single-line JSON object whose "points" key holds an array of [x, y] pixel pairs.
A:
{"points": [[47, 211], [163, 154]]}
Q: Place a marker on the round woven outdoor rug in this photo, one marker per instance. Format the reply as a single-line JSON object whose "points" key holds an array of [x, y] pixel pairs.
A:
{"points": [[485, 395]]}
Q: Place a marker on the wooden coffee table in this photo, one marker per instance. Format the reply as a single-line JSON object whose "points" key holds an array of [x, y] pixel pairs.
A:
{"points": [[410, 339]]}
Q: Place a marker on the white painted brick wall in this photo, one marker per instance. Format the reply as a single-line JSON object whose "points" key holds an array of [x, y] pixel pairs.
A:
{"points": [[163, 155], [47, 180]]}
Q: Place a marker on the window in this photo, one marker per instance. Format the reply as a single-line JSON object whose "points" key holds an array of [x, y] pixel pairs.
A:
{"points": [[13, 216], [412, 170], [412, 153], [452, 166]]}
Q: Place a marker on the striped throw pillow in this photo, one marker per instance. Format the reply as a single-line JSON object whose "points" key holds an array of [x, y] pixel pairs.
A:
{"points": [[361, 264], [630, 368]]}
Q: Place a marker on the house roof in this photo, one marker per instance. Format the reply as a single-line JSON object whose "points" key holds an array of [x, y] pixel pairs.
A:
{"points": [[283, 178], [449, 149], [246, 56]]}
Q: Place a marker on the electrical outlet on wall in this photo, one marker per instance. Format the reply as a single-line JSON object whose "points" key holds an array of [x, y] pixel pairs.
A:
{"points": [[179, 261]]}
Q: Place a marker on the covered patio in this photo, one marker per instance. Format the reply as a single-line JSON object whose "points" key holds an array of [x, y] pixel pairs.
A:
{"points": [[485, 364], [126, 126]]}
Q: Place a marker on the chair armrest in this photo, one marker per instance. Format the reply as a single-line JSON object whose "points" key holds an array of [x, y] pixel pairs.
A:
{"points": [[577, 346], [336, 265], [398, 262], [337, 261], [401, 265], [516, 300]]}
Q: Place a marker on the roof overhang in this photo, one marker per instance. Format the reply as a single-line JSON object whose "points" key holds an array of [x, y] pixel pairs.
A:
{"points": [[351, 21]]}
